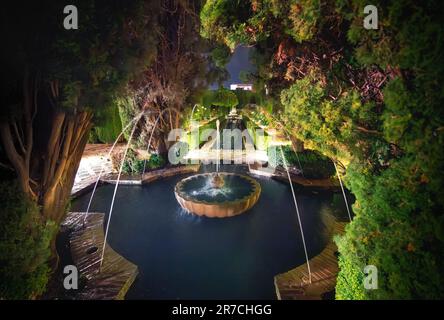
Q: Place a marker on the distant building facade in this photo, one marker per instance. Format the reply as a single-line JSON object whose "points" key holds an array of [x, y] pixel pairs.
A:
{"points": [[241, 86]]}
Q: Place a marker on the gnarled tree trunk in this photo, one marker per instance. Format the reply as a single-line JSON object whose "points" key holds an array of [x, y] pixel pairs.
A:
{"points": [[63, 155]]}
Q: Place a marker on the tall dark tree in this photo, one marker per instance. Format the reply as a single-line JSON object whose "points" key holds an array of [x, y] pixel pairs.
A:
{"points": [[180, 74], [54, 82]]}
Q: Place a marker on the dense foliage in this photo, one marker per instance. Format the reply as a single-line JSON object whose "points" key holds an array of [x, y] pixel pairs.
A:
{"points": [[372, 100], [249, 22], [224, 98], [400, 225], [247, 98], [179, 75], [135, 164], [312, 164], [108, 127], [221, 56], [24, 245], [56, 84]]}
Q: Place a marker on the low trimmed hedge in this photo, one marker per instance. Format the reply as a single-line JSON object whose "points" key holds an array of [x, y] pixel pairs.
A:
{"points": [[314, 164], [134, 165]]}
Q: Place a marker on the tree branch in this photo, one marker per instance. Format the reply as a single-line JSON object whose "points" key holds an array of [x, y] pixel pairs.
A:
{"points": [[15, 159], [19, 138], [4, 165]]}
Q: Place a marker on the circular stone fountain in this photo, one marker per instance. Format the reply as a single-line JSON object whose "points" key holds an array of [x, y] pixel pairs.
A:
{"points": [[218, 195]]}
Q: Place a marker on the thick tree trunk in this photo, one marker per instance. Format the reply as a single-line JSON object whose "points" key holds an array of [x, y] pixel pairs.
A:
{"points": [[65, 144], [57, 194], [60, 177], [44, 146]]}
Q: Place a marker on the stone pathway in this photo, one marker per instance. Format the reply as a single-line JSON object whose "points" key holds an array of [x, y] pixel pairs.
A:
{"points": [[112, 279], [94, 157], [294, 285]]}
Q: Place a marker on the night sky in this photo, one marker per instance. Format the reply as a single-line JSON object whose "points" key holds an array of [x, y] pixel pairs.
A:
{"points": [[239, 61]]}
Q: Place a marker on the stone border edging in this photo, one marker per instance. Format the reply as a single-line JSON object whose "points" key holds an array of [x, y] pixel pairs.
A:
{"points": [[115, 277], [147, 178], [117, 274], [313, 184], [218, 209]]}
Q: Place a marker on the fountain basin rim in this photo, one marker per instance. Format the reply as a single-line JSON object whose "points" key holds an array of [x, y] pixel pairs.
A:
{"points": [[255, 186], [218, 209]]}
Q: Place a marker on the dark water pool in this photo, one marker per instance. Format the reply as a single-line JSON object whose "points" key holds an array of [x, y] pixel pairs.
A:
{"points": [[181, 256]]}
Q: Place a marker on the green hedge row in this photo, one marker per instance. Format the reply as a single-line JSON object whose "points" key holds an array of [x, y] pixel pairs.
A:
{"points": [[134, 165], [314, 165]]}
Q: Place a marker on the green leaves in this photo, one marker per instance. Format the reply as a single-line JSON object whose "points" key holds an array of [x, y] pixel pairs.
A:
{"points": [[303, 18], [249, 22], [224, 98], [398, 112], [313, 164], [221, 56], [377, 108], [225, 21], [24, 245], [313, 117], [134, 164], [108, 124], [95, 63]]}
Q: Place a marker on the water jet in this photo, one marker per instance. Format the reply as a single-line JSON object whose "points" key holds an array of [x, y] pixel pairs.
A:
{"points": [[220, 194]]}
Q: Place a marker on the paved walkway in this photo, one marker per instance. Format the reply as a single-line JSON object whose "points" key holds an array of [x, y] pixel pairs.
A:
{"points": [[294, 285], [94, 157], [110, 281]]}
